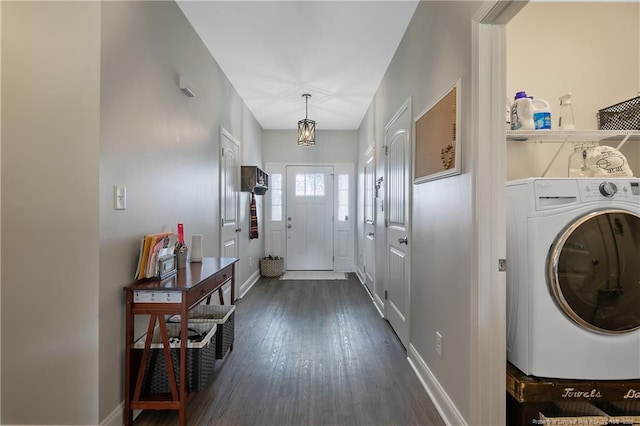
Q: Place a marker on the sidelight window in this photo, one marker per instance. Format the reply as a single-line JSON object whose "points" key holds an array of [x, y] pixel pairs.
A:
{"points": [[276, 196]]}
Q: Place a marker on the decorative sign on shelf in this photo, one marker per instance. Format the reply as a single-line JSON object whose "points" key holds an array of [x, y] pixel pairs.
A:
{"points": [[437, 151]]}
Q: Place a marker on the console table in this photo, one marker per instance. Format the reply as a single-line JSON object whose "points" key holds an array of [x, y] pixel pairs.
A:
{"points": [[159, 299]]}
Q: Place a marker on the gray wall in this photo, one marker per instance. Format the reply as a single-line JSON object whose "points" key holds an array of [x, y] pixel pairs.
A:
{"points": [[91, 93], [434, 52], [332, 146], [50, 213]]}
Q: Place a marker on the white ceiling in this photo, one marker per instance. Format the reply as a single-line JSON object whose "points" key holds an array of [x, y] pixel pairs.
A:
{"points": [[274, 51]]}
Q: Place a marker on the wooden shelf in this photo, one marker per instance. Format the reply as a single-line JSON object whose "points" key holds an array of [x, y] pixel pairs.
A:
{"points": [[254, 179]]}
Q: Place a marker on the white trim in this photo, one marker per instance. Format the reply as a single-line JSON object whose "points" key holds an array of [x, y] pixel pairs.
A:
{"points": [[379, 304], [116, 418], [441, 400], [248, 284], [225, 133], [361, 252], [359, 274], [488, 292], [371, 295]]}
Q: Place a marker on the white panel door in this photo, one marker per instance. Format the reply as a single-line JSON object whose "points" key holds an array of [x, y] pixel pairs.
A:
{"points": [[397, 218], [369, 220], [309, 218], [229, 194]]}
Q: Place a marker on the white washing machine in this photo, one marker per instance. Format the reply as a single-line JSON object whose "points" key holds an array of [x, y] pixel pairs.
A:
{"points": [[573, 277]]}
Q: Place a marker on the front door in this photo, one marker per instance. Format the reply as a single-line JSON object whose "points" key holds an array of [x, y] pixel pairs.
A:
{"points": [[398, 153], [229, 194], [309, 218]]}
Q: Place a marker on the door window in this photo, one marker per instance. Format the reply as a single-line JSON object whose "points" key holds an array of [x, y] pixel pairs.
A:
{"points": [[310, 185], [594, 271]]}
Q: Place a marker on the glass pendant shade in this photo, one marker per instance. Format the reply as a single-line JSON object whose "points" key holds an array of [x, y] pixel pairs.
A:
{"points": [[306, 127]]}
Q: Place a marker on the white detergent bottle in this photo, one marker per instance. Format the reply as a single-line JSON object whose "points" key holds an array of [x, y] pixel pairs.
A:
{"points": [[522, 112], [541, 114]]}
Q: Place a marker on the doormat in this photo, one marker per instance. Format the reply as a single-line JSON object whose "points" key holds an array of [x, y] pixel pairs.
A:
{"points": [[313, 275]]}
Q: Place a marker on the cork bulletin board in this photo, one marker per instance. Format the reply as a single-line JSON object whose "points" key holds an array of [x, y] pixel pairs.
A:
{"points": [[437, 149]]}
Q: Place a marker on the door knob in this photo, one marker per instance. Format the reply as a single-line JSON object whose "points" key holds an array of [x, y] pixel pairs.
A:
{"points": [[371, 234], [289, 226], [289, 218], [239, 230], [403, 240]]}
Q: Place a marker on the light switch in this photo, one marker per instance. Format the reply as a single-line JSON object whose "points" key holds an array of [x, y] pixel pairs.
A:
{"points": [[119, 197]]}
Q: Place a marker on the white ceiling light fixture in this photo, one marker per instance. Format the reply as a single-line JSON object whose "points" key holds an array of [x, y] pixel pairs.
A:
{"points": [[306, 127]]}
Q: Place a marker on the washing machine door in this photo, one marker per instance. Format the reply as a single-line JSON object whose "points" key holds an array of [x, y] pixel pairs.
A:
{"points": [[593, 271]]}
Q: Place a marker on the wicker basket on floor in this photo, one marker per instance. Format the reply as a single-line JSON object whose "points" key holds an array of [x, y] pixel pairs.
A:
{"points": [[271, 267]]}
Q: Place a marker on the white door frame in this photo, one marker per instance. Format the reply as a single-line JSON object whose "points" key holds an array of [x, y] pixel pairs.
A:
{"points": [[278, 228], [488, 297], [367, 236], [226, 134], [405, 334]]}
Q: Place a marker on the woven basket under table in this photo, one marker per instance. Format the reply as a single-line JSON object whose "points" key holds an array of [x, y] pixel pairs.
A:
{"points": [[201, 359], [223, 316]]}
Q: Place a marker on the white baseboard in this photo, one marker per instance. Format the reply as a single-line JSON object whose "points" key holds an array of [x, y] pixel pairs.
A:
{"points": [[116, 418], [379, 304], [360, 275], [445, 406], [246, 286]]}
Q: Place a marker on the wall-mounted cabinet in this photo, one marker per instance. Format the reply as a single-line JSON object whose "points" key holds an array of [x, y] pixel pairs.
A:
{"points": [[254, 179]]}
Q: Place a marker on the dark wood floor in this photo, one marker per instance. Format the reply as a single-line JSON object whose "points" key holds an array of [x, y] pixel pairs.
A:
{"points": [[309, 353]]}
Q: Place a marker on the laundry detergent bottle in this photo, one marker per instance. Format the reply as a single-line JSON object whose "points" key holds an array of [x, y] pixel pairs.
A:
{"points": [[541, 114], [522, 112]]}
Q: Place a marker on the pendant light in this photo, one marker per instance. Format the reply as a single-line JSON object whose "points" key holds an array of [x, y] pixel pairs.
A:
{"points": [[306, 127]]}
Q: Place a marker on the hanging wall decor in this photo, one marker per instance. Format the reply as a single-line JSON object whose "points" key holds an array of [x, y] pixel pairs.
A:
{"points": [[437, 149]]}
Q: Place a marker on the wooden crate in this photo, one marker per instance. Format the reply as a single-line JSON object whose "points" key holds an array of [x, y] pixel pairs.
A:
{"points": [[572, 413], [527, 395], [622, 413]]}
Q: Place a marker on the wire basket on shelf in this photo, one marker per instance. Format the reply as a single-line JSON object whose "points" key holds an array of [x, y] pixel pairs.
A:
{"points": [[621, 116]]}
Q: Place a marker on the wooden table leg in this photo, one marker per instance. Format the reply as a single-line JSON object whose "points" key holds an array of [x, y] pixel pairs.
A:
{"points": [[128, 413]]}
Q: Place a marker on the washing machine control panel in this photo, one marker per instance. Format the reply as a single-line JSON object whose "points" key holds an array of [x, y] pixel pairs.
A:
{"points": [[623, 190], [608, 189]]}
